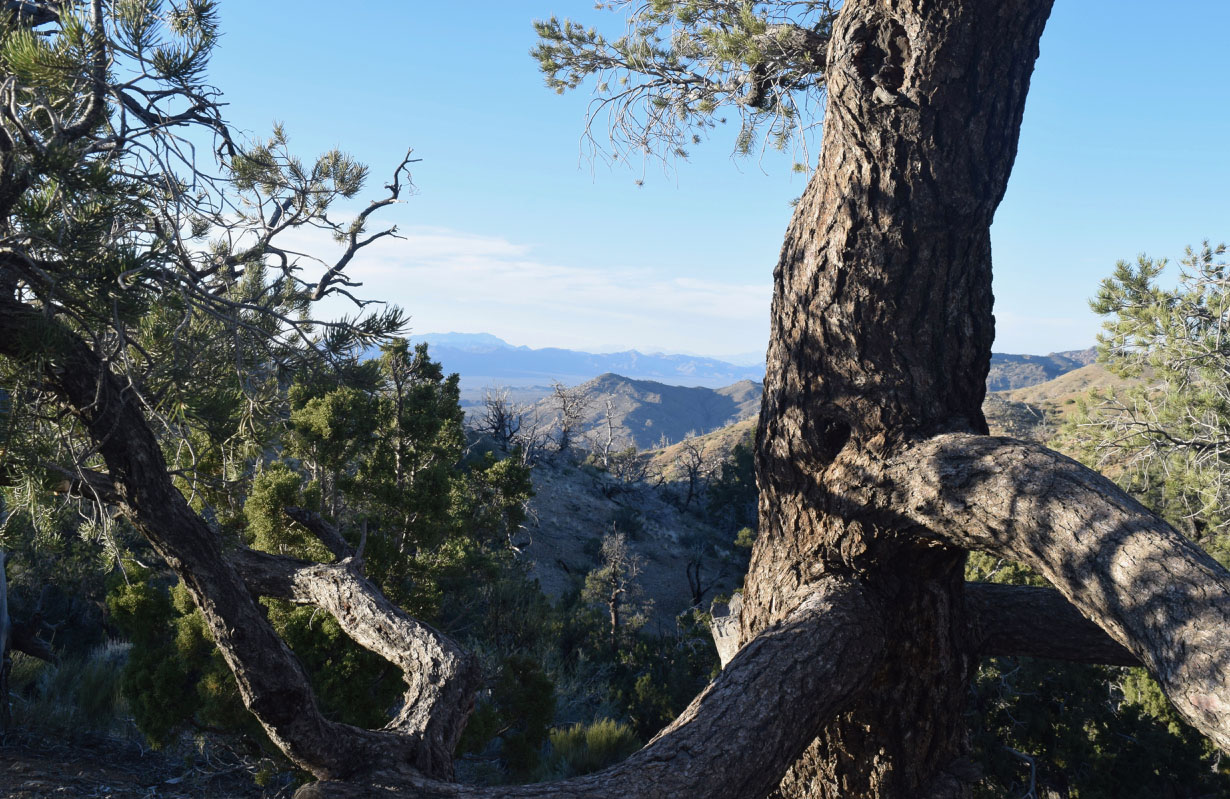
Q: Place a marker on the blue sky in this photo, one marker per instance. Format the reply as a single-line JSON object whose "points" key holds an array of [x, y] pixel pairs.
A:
{"points": [[1124, 150]]}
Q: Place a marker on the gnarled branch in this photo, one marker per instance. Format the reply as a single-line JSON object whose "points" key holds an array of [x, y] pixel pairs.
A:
{"points": [[441, 678], [738, 737], [1153, 591]]}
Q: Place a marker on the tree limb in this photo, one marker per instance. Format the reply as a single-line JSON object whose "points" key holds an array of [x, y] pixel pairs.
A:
{"points": [[737, 738], [441, 678], [272, 682], [1153, 591], [1021, 620]]}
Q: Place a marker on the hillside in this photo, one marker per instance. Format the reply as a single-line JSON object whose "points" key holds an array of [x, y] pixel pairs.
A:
{"points": [[714, 448], [647, 413], [575, 506], [1016, 371], [1068, 386]]}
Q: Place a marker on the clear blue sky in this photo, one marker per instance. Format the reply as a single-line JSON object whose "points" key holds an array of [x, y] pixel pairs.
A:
{"points": [[1125, 149]]}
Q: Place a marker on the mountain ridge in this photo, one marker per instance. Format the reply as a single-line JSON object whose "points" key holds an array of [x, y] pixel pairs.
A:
{"points": [[483, 359]]}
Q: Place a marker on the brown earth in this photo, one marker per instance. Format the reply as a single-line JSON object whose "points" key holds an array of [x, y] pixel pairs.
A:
{"points": [[113, 769]]}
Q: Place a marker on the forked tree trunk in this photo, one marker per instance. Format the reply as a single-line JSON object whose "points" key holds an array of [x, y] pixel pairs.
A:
{"points": [[881, 337], [875, 474]]}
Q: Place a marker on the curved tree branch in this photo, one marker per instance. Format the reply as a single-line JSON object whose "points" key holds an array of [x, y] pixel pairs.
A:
{"points": [[1153, 591], [441, 679], [737, 738]]}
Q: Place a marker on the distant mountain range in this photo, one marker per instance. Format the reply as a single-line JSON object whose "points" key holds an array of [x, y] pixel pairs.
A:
{"points": [[483, 359]]}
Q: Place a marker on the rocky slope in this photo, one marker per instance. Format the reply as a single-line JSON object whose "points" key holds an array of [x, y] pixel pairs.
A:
{"points": [[650, 414]]}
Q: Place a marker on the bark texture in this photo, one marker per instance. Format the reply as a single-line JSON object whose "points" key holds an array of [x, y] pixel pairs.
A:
{"points": [[738, 736], [1154, 592], [1019, 620], [857, 633], [881, 335], [441, 679]]}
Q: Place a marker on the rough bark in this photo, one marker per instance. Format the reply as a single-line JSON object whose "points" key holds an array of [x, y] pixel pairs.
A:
{"points": [[1153, 591], [881, 334], [1019, 620], [858, 635], [737, 737], [440, 678]]}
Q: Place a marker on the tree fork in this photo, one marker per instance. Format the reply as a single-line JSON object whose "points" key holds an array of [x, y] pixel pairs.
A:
{"points": [[881, 336]]}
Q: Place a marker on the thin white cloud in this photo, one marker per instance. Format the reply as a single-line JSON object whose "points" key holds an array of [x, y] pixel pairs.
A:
{"points": [[454, 280]]}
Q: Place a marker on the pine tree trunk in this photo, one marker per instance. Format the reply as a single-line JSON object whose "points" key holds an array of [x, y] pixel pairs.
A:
{"points": [[882, 330]]}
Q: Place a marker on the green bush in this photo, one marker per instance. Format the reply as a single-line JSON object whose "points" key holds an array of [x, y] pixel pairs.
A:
{"points": [[586, 748], [78, 698]]}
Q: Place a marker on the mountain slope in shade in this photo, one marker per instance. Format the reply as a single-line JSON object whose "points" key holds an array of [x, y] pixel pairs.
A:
{"points": [[646, 412]]}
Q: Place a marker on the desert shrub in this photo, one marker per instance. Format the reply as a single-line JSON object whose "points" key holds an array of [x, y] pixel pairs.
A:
{"points": [[78, 698], [586, 748]]}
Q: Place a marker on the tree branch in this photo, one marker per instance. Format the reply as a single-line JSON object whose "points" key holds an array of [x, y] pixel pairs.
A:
{"points": [[1153, 591], [1021, 620], [272, 682], [328, 535], [738, 737], [441, 678]]}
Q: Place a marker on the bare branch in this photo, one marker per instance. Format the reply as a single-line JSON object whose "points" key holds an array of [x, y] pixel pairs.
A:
{"points": [[1154, 592], [738, 737], [440, 678]]}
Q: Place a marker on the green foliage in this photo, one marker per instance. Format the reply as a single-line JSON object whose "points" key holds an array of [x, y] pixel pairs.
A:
{"points": [[732, 496], [269, 529], [659, 676], [680, 64], [586, 748], [1162, 438], [174, 676], [1090, 732], [524, 698], [353, 685]]}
